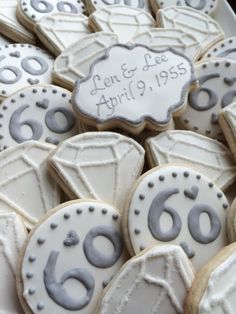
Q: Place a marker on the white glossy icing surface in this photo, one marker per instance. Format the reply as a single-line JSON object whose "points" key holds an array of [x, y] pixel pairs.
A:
{"points": [[62, 247], [99, 165], [177, 205], [124, 21], [194, 150], [155, 282], [25, 185], [12, 236]]}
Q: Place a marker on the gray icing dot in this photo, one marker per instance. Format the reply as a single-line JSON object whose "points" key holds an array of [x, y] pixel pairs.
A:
{"points": [[12, 69], [58, 293], [104, 211], [71, 239], [29, 275], [192, 193], [66, 216], [40, 306], [15, 54], [56, 127], [156, 209], [32, 81], [32, 259], [137, 231], [79, 211], [137, 212], [226, 53], [61, 6], [228, 98], [25, 63], [53, 225], [188, 251], [41, 241], [91, 209], [95, 257], [194, 224], [31, 291], [43, 104], [200, 6]]}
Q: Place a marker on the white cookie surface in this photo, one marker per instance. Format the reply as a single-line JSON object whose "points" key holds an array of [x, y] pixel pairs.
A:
{"points": [[156, 281], [161, 38], [12, 236], [41, 113], [224, 49], [21, 66], [71, 257], [177, 205], [217, 89], [124, 21], [130, 85], [202, 27], [206, 155], [74, 62], [98, 165], [25, 185], [60, 30]]}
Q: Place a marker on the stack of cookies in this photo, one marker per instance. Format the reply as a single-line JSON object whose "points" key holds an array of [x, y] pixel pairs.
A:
{"points": [[117, 157]]}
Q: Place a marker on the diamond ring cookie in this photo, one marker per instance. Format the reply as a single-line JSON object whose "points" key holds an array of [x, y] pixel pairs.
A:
{"points": [[21, 66], [26, 187], [75, 61], [202, 27], [12, 237], [30, 12], [213, 291], [217, 89], [196, 151], [129, 88], [70, 257], [163, 287], [161, 38], [60, 30], [124, 21], [223, 49], [41, 113], [98, 165], [174, 204]]}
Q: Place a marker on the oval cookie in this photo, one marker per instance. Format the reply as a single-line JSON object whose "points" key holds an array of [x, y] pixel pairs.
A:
{"points": [[176, 205], [41, 113], [217, 89], [74, 62], [224, 49], [21, 66], [25, 185], [194, 150], [70, 257], [80, 162], [162, 276]]}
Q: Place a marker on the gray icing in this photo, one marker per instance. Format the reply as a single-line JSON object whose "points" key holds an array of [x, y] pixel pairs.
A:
{"points": [[25, 63], [200, 6], [43, 104], [228, 98], [32, 82], [140, 5], [72, 239], [226, 53], [61, 7], [14, 70], [95, 257], [54, 126], [15, 126], [192, 193], [213, 98], [55, 288], [230, 80], [188, 251], [15, 54], [156, 209], [109, 3], [194, 224], [45, 8], [52, 140]]}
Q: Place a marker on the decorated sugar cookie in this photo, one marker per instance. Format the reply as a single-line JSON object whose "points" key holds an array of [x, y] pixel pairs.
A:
{"points": [[80, 162], [213, 291], [70, 257], [30, 12], [12, 236], [217, 90], [60, 30], [223, 49], [206, 6], [25, 185], [75, 61], [129, 88], [176, 205], [194, 150], [21, 66], [41, 113], [125, 21], [161, 38], [9, 24], [202, 27], [163, 287]]}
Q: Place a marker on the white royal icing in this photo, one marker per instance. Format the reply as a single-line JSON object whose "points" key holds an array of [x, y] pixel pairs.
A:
{"points": [[74, 62], [159, 39], [204, 29], [194, 150], [71, 257], [177, 205], [99, 165], [61, 30], [25, 185], [12, 236], [154, 282], [131, 84], [223, 49], [124, 21]]}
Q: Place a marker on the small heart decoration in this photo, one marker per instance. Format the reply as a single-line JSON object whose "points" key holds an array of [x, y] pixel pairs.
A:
{"points": [[71, 239], [192, 193], [43, 104], [230, 80], [15, 54], [32, 81]]}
